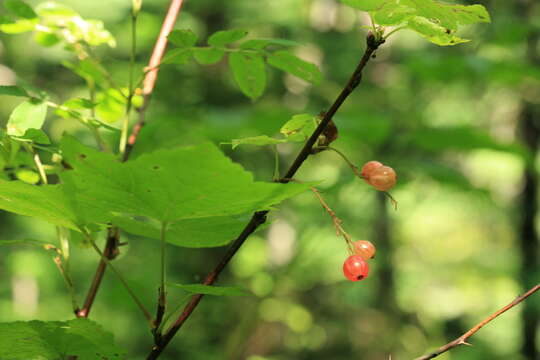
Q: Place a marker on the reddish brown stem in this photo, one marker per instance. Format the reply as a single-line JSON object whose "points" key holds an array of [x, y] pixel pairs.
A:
{"points": [[259, 218], [111, 247], [153, 69], [462, 340]]}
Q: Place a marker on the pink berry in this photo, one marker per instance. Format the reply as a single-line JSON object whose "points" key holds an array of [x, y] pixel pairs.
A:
{"points": [[364, 249], [355, 268], [368, 168], [383, 178]]}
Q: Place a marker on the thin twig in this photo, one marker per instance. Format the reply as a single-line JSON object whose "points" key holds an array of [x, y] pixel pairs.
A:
{"points": [[111, 247], [259, 217], [462, 340], [337, 221]]}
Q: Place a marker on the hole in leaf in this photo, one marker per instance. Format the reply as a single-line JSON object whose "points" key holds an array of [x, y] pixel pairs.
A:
{"points": [[82, 156], [155, 167]]}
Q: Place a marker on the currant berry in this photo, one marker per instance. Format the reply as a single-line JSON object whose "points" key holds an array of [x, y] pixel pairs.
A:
{"points": [[365, 249], [355, 268], [368, 168], [383, 178]]}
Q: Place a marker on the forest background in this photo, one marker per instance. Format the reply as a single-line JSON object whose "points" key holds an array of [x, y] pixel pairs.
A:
{"points": [[458, 124]]}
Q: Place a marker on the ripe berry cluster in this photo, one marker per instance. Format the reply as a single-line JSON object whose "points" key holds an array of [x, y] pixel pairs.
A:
{"points": [[355, 267], [381, 177]]}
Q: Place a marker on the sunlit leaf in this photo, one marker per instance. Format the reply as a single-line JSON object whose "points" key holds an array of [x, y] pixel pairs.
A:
{"points": [[261, 140], [27, 115]]}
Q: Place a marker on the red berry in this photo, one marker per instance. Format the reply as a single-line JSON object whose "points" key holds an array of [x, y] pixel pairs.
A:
{"points": [[383, 178], [368, 168], [355, 268], [365, 249]]}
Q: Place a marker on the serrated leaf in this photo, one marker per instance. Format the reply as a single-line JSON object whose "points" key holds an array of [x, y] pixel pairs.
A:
{"points": [[27, 115], [12, 90], [261, 140], [224, 37], [207, 56], [82, 338], [191, 233], [79, 103], [212, 290], [184, 38], [264, 42], [249, 73], [178, 56], [365, 5], [168, 185], [299, 127], [292, 64], [20, 8]]}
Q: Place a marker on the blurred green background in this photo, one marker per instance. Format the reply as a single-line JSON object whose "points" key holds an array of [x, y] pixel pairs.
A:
{"points": [[460, 125]]}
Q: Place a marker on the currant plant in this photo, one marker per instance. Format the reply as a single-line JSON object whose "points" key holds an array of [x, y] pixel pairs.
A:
{"points": [[193, 197]]}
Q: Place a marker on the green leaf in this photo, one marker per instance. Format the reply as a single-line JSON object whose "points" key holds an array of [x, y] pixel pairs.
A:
{"points": [[184, 38], [299, 128], [82, 338], [27, 115], [249, 73], [46, 39], [19, 26], [261, 140], [178, 56], [212, 290], [47, 202], [392, 14], [12, 90], [35, 135], [433, 32], [224, 37], [168, 185], [20, 8], [290, 63], [30, 242], [79, 103], [365, 5], [27, 176], [89, 70], [261, 43], [111, 106], [192, 233], [207, 56]]}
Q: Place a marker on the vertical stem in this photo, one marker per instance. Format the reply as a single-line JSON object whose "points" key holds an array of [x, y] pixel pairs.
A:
{"points": [[162, 301], [276, 163], [125, 125]]}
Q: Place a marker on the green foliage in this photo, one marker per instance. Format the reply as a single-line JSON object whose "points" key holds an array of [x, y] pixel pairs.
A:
{"points": [[225, 37], [437, 22], [13, 91], [297, 129], [247, 61], [249, 73], [57, 340], [27, 115], [183, 38], [20, 8], [212, 290]]}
